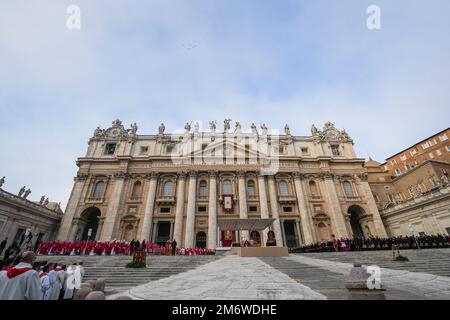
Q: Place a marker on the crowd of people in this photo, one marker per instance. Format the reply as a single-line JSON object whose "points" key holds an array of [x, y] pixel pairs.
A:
{"points": [[116, 247], [31, 280], [422, 241]]}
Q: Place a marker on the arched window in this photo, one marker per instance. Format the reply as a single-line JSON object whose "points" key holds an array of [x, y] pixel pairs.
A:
{"points": [[98, 191], [313, 188], [136, 192], [168, 189], [227, 188], [250, 188], [348, 189], [203, 192], [283, 188]]}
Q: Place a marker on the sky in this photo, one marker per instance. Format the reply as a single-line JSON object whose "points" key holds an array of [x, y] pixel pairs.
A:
{"points": [[300, 62]]}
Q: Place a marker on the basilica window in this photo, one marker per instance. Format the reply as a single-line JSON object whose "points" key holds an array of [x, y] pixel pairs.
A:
{"points": [[168, 189], [136, 192], [283, 188], [227, 187], [99, 189], [110, 148], [335, 150], [348, 189], [251, 188], [203, 191]]}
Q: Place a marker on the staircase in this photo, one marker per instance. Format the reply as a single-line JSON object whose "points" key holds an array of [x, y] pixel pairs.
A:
{"points": [[119, 278]]}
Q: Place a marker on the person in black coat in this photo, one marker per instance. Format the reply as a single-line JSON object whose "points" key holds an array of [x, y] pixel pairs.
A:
{"points": [[174, 246], [3, 245]]}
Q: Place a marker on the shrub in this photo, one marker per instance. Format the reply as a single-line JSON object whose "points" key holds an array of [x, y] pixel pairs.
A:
{"points": [[401, 258], [136, 264]]}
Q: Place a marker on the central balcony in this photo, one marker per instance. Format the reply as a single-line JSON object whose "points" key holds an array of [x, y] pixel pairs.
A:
{"points": [[289, 199], [166, 199]]}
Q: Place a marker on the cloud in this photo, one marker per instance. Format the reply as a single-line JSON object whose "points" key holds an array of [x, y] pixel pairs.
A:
{"points": [[300, 62]]}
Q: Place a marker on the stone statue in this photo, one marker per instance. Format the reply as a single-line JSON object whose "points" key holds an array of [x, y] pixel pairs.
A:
{"points": [[328, 125], [264, 129], [238, 128], [314, 131], [98, 132], [42, 200], [345, 134], [226, 125], [21, 191], [287, 130], [254, 130], [162, 127], [27, 192], [213, 126], [2, 181], [196, 127], [45, 202], [134, 128], [187, 127]]}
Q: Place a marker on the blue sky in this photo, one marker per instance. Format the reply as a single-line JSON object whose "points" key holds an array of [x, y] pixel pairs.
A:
{"points": [[292, 61]]}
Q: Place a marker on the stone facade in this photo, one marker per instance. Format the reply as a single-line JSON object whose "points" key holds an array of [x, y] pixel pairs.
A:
{"points": [[17, 214], [164, 186], [412, 188]]}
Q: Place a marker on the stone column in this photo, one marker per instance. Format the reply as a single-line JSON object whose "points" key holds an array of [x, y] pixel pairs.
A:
{"points": [[149, 207], [112, 213], [337, 218], [212, 211], [275, 213], [263, 205], [305, 215], [72, 205], [190, 214], [155, 226], [243, 202], [368, 196], [179, 211]]}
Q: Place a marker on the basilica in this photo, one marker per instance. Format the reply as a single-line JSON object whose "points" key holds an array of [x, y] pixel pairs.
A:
{"points": [[220, 186]]}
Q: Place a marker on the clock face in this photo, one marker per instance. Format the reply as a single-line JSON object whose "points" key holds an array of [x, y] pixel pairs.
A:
{"points": [[115, 132]]}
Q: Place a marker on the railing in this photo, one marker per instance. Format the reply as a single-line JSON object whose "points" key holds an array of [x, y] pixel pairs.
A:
{"points": [[95, 199], [32, 205], [166, 199], [286, 199], [252, 197], [135, 199]]}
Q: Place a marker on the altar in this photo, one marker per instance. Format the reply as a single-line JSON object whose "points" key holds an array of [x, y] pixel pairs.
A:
{"points": [[230, 229]]}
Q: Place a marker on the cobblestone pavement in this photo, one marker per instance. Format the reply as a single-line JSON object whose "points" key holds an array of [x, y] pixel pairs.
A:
{"points": [[230, 278], [302, 276], [400, 284], [434, 261]]}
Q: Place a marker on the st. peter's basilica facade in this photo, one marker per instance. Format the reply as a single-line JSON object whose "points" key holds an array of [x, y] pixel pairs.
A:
{"points": [[187, 185]]}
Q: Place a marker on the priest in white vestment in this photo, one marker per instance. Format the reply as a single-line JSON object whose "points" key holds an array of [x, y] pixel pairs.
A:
{"points": [[21, 282]]}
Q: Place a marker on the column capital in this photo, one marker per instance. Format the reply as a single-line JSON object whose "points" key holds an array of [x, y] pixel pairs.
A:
{"points": [[152, 175], [193, 174], [213, 173], [241, 174], [298, 175], [121, 175], [81, 176], [181, 174]]}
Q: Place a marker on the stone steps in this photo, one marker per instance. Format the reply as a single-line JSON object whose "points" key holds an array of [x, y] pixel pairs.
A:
{"points": [[119, 278]]}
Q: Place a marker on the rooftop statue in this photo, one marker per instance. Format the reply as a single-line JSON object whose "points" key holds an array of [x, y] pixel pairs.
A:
{"points": [[226, 125], [187, 127], [161, 128], [21, 191], [213, 125]]}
